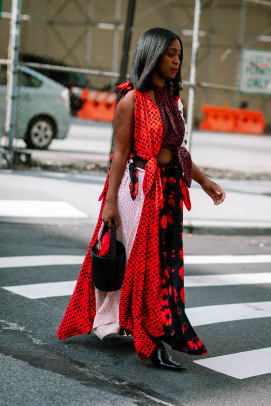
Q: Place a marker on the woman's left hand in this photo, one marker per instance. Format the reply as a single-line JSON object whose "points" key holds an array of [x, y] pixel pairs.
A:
{"points": [[214, 191]]}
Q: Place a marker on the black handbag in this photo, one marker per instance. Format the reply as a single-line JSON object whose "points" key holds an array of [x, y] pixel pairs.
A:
{"points": [[108, 271]]}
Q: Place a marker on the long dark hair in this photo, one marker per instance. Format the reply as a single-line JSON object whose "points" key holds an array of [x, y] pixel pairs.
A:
{"points": [[151, 45]]}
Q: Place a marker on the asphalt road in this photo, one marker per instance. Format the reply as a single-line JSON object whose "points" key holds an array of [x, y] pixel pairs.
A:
{"points": [[37, 369], [228, 294]]}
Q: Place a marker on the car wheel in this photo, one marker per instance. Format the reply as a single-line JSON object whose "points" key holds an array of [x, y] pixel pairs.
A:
{"points": [[40, 133]]}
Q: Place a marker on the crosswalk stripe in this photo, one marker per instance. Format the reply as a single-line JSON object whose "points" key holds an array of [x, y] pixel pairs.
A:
{"points": [[43, 290], [240, 365], [227, 279], [39, 208], [200, 316], [40, 260], [226, 259]]}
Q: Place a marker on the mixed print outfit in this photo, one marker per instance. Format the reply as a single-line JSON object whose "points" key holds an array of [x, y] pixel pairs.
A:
{"points": [[151, 302]]}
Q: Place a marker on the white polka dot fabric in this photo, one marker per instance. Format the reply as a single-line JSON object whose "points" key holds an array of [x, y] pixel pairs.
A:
{"points": [[107, 303]]}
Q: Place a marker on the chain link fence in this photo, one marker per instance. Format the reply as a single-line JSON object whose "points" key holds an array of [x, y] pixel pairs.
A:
{"points": [[69, 59]]}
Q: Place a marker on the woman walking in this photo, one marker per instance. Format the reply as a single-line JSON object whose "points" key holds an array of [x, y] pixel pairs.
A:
{"points": [[144, 194]]}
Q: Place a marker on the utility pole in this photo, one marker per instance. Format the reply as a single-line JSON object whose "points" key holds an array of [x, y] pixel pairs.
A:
{"points": [[12, 77], [126, 48], [127, 39], [191, 92]]}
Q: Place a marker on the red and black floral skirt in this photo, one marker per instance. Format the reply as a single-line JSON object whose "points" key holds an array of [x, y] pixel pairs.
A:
{"points": [[178, 331]]}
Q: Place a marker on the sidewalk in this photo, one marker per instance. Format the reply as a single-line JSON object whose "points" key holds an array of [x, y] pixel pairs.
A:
{"points": [[248, 154], [246, 208], [241, 161], [223, 155]]}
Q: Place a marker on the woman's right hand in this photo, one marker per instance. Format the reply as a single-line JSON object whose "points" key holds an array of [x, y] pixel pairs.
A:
{"points": [[110, 212]]}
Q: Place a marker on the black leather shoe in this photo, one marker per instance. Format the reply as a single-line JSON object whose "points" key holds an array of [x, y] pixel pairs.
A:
{"points": [[161, 359]]}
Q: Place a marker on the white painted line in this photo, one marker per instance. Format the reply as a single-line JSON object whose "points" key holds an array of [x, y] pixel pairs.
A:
{"points": [[227, 279], [190, 281], [200, 316], [40, 260], [241, 365], [226, 259], [38, 208], [43, 290]]}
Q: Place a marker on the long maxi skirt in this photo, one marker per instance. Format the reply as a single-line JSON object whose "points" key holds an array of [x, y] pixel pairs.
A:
{"points": [[178, 331], [107, 303]]}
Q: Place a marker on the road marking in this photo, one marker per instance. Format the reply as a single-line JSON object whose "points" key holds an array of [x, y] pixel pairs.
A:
{"points": [[190, 281], [227, 279], [200, 316], [43, 290], [41, 260], [38, 208], [242, 364], [226, 259]]}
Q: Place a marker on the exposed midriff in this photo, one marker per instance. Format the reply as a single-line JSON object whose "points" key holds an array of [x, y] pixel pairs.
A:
{"points": [[164, 156]]}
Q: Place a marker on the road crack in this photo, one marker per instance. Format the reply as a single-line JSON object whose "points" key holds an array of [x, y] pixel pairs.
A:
{"points": [[43, 356]]}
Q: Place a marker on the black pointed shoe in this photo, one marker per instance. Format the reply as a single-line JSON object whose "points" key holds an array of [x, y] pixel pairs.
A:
{"points": [[161, 359]]}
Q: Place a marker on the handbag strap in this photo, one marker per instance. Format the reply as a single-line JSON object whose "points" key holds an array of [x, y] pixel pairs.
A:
{"points": [[113, 240]]}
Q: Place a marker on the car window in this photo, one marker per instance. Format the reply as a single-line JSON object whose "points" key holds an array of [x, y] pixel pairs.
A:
{"points": [[23, 78], [3, 76], [27, 80]]}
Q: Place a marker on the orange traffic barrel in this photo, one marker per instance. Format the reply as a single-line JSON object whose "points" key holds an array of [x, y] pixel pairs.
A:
{"points": [[87, 110], [97, 105], [105, 104]]}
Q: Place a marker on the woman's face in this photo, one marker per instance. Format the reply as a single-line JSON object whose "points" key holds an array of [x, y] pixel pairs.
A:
{"points": [[169, 62]]}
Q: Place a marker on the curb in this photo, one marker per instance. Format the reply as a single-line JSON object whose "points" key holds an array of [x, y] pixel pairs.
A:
{"points": [[207, 229], [231, 229]]}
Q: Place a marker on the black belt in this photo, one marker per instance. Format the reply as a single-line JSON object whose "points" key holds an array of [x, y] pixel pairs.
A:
{"points": [[140, 162]]}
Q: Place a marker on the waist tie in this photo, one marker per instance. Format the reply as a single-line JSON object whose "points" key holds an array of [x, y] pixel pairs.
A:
{"points": [[186, 194], [186, 164], [152, 177]]}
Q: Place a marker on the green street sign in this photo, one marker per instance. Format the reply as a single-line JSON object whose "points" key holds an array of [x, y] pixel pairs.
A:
{"points": [[255, 74], [0, 8]]}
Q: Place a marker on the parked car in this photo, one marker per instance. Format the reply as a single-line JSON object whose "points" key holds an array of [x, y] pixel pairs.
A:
{"points": [[74, 81], [42, 109]]}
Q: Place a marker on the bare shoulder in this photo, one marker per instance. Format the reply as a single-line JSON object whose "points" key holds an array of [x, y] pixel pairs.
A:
{"points": [[126, 104]]}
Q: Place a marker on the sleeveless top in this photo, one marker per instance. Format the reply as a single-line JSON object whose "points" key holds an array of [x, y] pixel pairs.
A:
{"points": [[149, 136], [164, 114]]}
